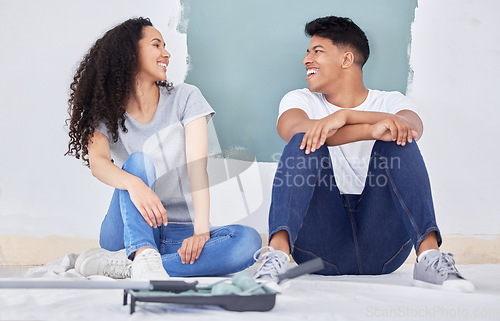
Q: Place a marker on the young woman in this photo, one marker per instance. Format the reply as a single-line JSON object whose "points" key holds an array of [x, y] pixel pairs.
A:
{"points": [[148, 139]]}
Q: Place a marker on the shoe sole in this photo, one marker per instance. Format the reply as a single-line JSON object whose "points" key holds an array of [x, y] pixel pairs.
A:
{"points": [[445, 287], [279, 288], [81, 260], [426, 285]]}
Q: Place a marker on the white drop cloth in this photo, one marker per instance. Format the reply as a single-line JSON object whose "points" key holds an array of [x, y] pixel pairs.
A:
{"points": [[313, 297]]}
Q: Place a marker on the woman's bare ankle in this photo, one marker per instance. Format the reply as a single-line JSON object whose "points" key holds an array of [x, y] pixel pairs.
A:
{"points": [[140, 250]]}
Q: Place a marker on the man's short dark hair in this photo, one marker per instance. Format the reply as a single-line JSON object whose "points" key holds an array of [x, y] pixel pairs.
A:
{"points": [[342, 32]]}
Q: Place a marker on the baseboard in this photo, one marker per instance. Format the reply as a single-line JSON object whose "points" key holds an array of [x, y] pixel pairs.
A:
{"points": [[28, 250]]}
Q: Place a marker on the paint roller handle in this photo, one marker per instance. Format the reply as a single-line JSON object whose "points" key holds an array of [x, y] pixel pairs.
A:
{"points": [[173, 286], [311, 266]]}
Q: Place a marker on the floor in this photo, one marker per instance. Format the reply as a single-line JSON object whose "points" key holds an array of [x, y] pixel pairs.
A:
{"points": [[312, 297]]}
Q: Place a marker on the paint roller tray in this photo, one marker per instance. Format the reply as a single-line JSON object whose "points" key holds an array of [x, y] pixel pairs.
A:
{"points": [[180, 292], [203, 296]]}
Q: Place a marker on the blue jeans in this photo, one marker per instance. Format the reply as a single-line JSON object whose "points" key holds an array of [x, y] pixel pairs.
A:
{"points": [[371, 233], [229, 250]]}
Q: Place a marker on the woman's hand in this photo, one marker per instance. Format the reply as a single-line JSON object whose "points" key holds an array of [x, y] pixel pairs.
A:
{"points": [[192, 246], [393, 129], [148, 204], [316, 136]]}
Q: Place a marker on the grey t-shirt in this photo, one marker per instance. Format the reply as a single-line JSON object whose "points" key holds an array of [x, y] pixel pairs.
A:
{"points": [[163, 140]]}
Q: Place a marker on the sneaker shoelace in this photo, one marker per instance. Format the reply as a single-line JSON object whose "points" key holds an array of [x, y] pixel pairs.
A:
{"points": [[117, 268], [271, 263], [444, 264], [152, 262]]}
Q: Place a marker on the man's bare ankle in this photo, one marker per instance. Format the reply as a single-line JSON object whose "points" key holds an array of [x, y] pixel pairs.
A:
{"points": [[280, 246]]}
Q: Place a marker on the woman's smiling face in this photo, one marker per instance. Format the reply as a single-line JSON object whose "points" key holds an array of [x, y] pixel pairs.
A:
{"points": [[153, 58]]}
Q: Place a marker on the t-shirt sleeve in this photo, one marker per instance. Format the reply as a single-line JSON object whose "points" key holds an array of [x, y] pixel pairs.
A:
{"points": [[295, 99], [195, 106], [103, 129], [397, 102]]}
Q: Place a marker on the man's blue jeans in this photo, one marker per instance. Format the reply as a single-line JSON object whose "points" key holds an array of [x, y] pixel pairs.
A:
{"points": [[371, 233], [229, 250]]}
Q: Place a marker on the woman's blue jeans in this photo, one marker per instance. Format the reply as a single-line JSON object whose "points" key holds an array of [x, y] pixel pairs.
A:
{"points": [[372, 233], [229, 250]]}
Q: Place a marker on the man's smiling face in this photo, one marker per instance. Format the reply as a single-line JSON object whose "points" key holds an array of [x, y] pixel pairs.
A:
{"points": [[323, 64]]}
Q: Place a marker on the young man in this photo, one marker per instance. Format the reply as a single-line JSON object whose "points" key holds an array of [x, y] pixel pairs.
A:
{"points": [[351, 186]]}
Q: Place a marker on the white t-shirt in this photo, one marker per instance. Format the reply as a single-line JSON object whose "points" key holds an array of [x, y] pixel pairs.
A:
{"points": [[350, 161]]}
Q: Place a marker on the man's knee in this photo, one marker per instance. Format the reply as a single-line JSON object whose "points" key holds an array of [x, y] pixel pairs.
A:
{"points": [[293, 148], [394, 152], [296, 139]]}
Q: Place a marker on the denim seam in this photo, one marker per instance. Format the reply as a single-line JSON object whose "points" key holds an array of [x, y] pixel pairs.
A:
{"points": [[401, 202], [356, 245], [125, 221], [208, 244], [220, 228], [354, 232], [220, 239], [276, 230], [328, 263], [397, 253], [283, 227], [306, 211], [170, 242], [163, 235], [129, 248], [230, 234]]}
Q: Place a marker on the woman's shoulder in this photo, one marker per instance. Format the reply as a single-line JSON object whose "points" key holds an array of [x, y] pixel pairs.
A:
{"points": [[182, 89]]}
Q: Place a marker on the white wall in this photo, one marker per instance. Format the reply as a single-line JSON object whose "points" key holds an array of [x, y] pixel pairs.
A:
{"points": [[42, 192], [455, 55]]}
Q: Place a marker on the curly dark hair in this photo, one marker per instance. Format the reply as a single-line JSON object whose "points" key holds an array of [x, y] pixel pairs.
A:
{"points": [[102, 84]]}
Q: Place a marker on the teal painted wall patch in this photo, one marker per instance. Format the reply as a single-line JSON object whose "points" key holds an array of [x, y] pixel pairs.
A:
{"points": [[246, 55]]}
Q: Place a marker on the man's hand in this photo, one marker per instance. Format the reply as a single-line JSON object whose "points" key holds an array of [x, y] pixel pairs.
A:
{"points": [[192, 246], [148, 204], [316, 136], [393, 128]]}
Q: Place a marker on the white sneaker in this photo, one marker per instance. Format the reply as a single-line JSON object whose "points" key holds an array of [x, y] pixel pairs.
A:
{"points": [[148, 265], [437, 270], [274, 262], [103, 262]]}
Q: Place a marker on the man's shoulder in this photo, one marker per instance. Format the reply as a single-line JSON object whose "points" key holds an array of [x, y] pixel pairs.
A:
{"points": [[391, 101], [303, 94], [304, 99], [382, 94]]}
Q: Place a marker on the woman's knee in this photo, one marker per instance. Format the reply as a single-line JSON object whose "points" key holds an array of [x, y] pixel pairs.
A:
{"points": [[247, 242], [142, 166], [247, 237], [111, 244]]}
